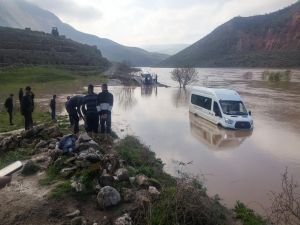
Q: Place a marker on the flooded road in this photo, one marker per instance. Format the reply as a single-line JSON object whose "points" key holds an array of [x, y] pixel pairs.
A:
{"points": [[236, 165]]}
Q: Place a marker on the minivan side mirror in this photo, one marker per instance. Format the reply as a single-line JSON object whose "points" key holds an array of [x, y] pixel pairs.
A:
{"points": [[250, 113]]}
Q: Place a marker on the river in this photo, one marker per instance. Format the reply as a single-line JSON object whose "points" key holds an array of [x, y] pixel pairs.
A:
{"points": [[236, 165]]}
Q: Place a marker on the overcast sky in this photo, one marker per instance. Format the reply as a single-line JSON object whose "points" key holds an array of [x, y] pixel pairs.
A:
{"points": [[148, 22]]}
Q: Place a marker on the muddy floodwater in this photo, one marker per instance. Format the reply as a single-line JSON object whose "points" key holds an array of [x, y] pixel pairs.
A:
{"points": [[236, 165]]}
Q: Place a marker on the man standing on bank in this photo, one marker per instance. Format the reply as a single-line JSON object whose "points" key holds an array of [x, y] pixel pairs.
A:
{"points": [[27, 106], [89, 108], [73, 107], [9, 105], [53, 107], [105, 104]]}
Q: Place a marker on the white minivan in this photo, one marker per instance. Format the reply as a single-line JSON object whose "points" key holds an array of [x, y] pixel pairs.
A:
{"points": [[223, 107]]}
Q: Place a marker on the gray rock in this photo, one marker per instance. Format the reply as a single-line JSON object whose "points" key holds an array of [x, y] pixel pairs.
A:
{"points": [[93, 157], [142, 180], [82, 163], [83, 146], [79, 220], [123, 220], [51, 146], [154, 193], [73, 214], [84, 137], [30, 168], [106, 180], [66, 172], [128, 195], [142, 198], [41, 144], [93, 144], [107, 197], [122, 174]]}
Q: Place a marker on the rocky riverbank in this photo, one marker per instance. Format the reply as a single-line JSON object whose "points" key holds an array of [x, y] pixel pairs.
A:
{"points": [[101, 181]]}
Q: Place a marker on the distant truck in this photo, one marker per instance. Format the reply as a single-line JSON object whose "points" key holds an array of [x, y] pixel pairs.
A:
{"points": [[148, 79], [223, 107]]}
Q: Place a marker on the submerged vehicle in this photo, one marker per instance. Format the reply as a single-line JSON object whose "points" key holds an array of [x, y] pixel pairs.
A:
{"points": [[215, 137], [223, 107]]}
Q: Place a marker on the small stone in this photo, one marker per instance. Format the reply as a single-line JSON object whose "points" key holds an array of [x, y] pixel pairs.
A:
{"points": [[142, 198], [154, 193], [93, 144], [142, 180], [41, 144], [128, 195], [66, 172], [123, 220], [93, 157], [122, 174], [84, 137], [108, 197], [106, 180], [30, 168], [73, 214], [79, 220], [69, 160]]}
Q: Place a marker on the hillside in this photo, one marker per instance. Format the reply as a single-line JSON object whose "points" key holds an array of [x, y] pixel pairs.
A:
{"points": [[31, 47], [21, 14], [271, 40]]}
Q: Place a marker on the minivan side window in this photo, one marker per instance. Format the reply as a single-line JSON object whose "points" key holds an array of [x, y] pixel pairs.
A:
{"points": [[201, 101], [217, 110]]}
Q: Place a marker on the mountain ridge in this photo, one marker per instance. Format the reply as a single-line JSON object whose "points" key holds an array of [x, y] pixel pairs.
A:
{"points": [[22, 14], [271, 40]]}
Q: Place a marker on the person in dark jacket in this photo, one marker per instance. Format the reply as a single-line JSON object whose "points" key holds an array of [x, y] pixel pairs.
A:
{"points": [[73, 107], [105, 104], [53, 107], [21, 94], [27, 107], [90, 112], [9, 105]]}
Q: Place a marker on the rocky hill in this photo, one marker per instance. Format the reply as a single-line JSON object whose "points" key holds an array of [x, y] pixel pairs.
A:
{"points": [[30, 47], [271, 40], [21, 14]]}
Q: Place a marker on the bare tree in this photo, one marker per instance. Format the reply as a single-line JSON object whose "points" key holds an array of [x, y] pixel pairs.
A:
{"points": [[176, 75], [285, 208], [184, 76]]}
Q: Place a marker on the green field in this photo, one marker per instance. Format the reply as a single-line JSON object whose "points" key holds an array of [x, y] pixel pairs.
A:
{"points": [[44, 81]]}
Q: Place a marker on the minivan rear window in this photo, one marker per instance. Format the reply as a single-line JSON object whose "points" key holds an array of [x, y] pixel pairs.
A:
{"points": [[201, 101]]}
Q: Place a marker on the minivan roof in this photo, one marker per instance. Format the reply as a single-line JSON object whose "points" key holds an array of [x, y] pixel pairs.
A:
{"points": [[218, 93]]}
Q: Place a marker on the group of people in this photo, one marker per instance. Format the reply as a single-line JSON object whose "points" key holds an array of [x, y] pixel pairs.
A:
{"points": [[93, 108], [26, 106]]}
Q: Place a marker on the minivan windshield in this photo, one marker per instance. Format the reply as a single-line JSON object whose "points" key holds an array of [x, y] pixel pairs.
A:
{"points": [[233, 108]]}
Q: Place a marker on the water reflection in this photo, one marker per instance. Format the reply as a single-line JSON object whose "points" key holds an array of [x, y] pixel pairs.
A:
{"points": [[147, 90], [126, 98], [180, 98], [214, 137]]}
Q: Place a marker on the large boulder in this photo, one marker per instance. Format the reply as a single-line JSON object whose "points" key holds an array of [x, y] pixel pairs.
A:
{"points": [[108, 197]]}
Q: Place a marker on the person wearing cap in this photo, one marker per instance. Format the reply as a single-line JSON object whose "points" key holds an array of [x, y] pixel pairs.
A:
{"points": [[53, 107], [9, 105], [89, 108], [27, 106], [105, 104]]}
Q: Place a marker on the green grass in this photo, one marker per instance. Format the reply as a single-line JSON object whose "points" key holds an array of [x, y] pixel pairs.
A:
{"points": [[142, 160], [248, 216], [45, 80], [61, 190], [18, 120], [12, 156]]}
